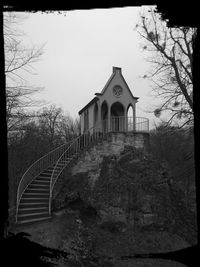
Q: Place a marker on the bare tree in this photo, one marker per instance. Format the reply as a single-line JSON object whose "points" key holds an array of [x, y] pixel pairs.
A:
{"points": [[19, 60], [49, 121], [172, 60], [68, 127], [57, 126], [176, 147]]}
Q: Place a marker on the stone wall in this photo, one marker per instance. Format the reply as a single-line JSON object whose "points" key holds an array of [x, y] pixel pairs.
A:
{"points": [[135, 139], [90, 161], [115, 143]]}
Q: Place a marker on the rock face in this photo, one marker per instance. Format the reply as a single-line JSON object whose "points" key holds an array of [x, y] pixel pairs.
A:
{"points": [[132, 184], [117, 201], [124, 187]]}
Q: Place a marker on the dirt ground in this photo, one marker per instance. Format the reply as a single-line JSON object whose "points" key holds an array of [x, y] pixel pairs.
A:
{"points": [[61, 231]]}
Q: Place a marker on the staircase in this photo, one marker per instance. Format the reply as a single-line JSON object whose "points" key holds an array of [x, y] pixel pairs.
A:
{"points": [[34, 203], [35, 189]]}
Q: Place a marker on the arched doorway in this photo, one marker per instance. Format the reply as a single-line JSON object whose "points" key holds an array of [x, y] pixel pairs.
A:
{"points": [[104, 116], [95, 115], [117, 117], [130, 118]]}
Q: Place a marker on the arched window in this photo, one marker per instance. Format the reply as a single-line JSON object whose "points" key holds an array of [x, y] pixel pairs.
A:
{"points": [[130, 118]]}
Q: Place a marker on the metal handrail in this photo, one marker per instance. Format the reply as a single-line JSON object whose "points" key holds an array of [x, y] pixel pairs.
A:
{"points": [[85, 140], [141, 124], [66, 151], [36, 168], [128, 124], [87, 137]]}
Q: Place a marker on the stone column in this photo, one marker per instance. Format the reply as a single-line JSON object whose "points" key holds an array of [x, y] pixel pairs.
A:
{"points": [[99, 122], [126, 120], [109, 118], [134, 119]]}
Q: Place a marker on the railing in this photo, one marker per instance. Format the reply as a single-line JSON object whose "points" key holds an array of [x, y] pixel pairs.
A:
{"points": [[36, 168], [117, 124], [62, 155], [141, 124], [128, 124], [90, 137]]}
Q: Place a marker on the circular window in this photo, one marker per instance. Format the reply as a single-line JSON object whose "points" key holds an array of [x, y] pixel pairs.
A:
{"points": [[117, 90]]}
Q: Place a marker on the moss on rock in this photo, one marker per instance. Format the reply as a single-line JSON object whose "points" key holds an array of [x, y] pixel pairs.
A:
{"points": [[134, 183]]}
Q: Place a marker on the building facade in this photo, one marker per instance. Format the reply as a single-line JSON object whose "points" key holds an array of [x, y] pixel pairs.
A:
{"points": [[112, 110]]}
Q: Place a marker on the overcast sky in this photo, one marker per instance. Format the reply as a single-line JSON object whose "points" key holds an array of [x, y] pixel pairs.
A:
{"points": [[81, 47]]}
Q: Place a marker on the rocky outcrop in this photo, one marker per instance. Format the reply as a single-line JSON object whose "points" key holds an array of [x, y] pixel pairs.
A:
{"points": [[115, 203], [122, 190]]}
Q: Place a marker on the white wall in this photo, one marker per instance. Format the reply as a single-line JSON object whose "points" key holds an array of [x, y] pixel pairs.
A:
{"points": [[91, 116], [125, 98], [82, 122]]}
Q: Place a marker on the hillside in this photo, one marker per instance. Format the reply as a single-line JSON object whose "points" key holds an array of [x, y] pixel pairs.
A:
{"points": [[117, 206]]}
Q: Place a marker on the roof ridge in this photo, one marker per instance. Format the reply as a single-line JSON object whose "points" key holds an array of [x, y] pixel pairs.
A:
{"points": [[95, 99]]}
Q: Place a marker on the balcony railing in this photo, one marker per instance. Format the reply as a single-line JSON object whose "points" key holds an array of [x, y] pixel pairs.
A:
{"points": [[83, 141], [141, 124], [126, 124]]}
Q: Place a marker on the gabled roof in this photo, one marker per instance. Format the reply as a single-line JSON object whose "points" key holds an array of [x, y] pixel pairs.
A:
{"points": [[111, 78], [108, 82], [94, 100]]}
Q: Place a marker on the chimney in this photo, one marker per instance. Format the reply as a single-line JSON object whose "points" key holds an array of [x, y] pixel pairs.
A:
{"points": [[116, 69]]}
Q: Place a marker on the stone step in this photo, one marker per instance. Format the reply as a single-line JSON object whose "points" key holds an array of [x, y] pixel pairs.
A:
{"points": [[56, 169], [33, 205], [37, 190], [43, 178], [32, 216], [33, 220], [57, 165], [35, 195], [34, 200], [40, 182], [32, 210], [38, 185], [37, 214], [63, 163], [47, 171], [45, 174]]}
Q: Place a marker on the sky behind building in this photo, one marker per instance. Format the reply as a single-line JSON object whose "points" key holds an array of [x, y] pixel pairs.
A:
{"points": [[80, 49]]}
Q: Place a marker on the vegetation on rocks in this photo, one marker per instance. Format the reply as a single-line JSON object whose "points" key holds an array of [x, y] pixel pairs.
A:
{"points": [[134, 206]]}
